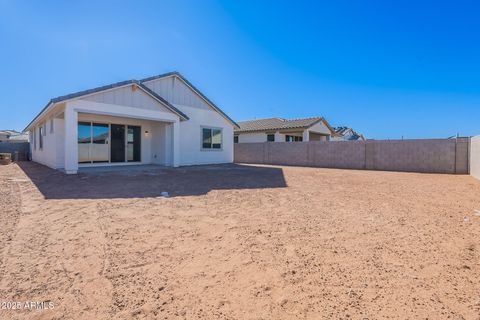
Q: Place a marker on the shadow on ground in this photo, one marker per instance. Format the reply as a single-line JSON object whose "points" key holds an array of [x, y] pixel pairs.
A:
{"points": [[150, 181]]}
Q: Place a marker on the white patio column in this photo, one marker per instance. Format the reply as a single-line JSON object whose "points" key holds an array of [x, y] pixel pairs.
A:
{"points": [[176, 143], [306, 135], [71, 140]]}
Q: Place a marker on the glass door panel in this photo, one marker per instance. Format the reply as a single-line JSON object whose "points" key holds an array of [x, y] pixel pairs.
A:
{"points": [[117, 145], [133, 143], [84, 141], [99, 149]]}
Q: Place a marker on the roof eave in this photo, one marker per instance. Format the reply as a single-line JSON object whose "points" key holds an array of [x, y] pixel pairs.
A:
{"points": [[84, 93]]}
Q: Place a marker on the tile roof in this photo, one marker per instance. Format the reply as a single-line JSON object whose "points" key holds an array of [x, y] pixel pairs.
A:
{"points": [[277, 124]]}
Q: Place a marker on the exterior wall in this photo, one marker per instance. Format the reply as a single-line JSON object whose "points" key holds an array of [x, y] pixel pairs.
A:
{"points": [[313, 136], [252, 137], [201, 114], [60, 144], [320, 127], [436, 156], [317, 132], [191, 152], [475, 157], [48, 154]]}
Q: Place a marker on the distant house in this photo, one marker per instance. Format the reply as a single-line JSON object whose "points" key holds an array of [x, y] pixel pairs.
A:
{"points": [[13, 136], [347, 134], [283, 130]]}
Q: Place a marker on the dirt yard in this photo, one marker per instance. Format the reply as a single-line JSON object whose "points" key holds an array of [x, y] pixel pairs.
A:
{"points": [[239, 242]]}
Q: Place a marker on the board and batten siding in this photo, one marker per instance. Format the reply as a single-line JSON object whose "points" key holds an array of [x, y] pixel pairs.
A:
{"points": [[130, 96], [175, 91]]}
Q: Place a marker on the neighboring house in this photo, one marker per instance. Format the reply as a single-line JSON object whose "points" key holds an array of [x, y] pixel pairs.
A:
{"points": [[161, 120], [282, 130], [13, 136], [347, 134]]}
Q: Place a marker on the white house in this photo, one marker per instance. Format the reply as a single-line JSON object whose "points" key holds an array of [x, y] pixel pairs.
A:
{"points": [[283, 130], [347, 134], [161, 120], [12, 136]]}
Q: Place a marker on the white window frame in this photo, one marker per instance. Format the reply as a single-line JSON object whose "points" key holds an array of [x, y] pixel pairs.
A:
{"points": [[201, 138]]}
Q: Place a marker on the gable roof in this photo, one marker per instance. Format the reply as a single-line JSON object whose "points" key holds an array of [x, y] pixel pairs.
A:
{"points": [[279, 124], [83, 93], [194, 89], [342, 131]]}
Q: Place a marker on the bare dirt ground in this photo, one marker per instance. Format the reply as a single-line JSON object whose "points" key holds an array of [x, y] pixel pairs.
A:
{"points": [[239, 242]]}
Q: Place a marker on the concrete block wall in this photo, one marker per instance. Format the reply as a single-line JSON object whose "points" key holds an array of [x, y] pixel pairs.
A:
{"points": [[413, 155], [338, 154], [23, 148], [432, 155], [475, 157]]}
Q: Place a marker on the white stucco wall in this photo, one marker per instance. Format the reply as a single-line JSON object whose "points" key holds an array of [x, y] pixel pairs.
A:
{"points": [[191, 152], [252, 137], [320, 127], [47, 154]]}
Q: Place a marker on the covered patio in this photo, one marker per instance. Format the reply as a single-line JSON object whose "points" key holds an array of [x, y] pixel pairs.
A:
{"points": [[100, 134]]}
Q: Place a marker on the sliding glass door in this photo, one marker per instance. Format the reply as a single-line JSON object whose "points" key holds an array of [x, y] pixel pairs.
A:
{"points": [[101, 142], [93, 142]]}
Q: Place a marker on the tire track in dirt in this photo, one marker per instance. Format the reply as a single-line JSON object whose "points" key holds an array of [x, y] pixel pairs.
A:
{"points": [[10, 204]]}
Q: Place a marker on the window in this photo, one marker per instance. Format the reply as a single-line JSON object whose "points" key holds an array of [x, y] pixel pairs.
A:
{"points": [[51, 125], [40, 137], [293, 138], [270, 137], [235, 139], [34, 138], [211, 138]]}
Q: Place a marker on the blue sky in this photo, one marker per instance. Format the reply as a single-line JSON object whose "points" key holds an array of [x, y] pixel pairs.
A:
{"points": [[408, 69]]}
